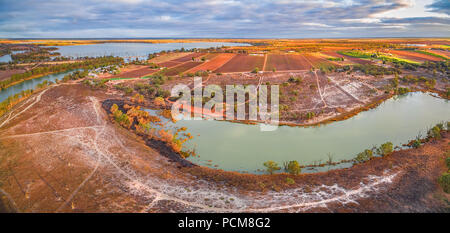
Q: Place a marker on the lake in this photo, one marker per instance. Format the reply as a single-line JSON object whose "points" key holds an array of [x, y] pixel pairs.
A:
{"points": [[132, 50]]}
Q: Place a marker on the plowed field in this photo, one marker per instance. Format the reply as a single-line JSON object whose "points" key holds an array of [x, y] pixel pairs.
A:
{"points": [[242, 63], [215, 63]]}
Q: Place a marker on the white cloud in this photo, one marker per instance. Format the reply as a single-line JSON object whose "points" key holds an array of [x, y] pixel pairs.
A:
{"points": [[317, 25]]}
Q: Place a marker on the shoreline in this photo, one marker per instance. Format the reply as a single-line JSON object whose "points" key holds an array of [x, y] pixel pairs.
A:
{"points": [[186, 163]]}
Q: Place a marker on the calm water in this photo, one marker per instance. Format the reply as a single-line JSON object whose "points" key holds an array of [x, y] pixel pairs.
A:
{"points": [[5, 58], [239, 147], [30, 84], [132, 50]]}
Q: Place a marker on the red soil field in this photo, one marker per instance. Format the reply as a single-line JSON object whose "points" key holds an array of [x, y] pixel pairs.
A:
{"points": [[169, 64], [188, 57], [242, 63], [414, 56], [210, 56], [316, 60], [214, 63], [286, 62], [140, 72], [182, 68]]}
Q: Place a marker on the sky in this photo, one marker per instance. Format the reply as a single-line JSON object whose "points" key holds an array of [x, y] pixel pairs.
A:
{"points": [[224, 19]]}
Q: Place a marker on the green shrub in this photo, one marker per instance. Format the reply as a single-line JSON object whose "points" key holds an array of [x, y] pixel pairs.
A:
{"points": [[271, 166], [385, 149], [444, 181], [435, 132], [255, 70], [310, 115], [447, 162], [416, 144], [290, 181], [402, 90], [364, 156], [292, 167]]}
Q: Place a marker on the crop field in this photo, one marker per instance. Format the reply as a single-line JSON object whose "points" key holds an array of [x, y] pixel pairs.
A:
{"points": [[137, 73], [167, 57], [216, 62], [443, 53], [210, 56], [419, 57], [169, 64], [242, 63], [284, 62], [188, 57], [182, 68], [356, 60], [316, 60]]}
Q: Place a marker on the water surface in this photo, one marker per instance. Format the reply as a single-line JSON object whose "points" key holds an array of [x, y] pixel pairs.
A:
{"points": [[132, 50], [5, 58], [30, 84], [240, 147]]}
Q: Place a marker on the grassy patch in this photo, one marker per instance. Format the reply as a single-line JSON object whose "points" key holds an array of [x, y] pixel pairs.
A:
{"points": [[444, 181]]}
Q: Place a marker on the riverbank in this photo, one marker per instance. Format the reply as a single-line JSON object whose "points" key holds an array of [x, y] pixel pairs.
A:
{"points": [[81, 162]]}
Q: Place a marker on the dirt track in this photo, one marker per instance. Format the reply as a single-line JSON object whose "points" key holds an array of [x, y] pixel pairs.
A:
{"points": [[63, 154]]}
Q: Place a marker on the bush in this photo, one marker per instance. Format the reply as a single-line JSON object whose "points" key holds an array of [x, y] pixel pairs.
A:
{"points": [[435, 132], [386, 148], [364, 156], [271, 166], [447, 162], [310, 115], [290, 181], [292, 167], [416, 144], [444, 181], [402, 90], [255, 70]]}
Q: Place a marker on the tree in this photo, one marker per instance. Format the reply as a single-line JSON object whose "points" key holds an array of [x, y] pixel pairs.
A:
{"points": [[364, 156], [386, 148], [292, 167], [159, 101], [271, 166]]}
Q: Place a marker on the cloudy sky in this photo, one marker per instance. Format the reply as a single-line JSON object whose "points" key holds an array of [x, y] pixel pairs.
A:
{"points": [[224, 19]]}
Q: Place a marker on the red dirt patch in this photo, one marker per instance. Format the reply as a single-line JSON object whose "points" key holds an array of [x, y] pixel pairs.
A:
{"points": [[137, 73], [215, 63], [286, 62], [242, 63], [169, 64], [182, 68], [316, 60]]}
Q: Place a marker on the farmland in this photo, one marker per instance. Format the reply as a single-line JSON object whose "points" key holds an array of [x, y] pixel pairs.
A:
{"points": [[86, 143], [283, 62], [415, 56], [216, 62], [242, 63], [182, 68]]}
